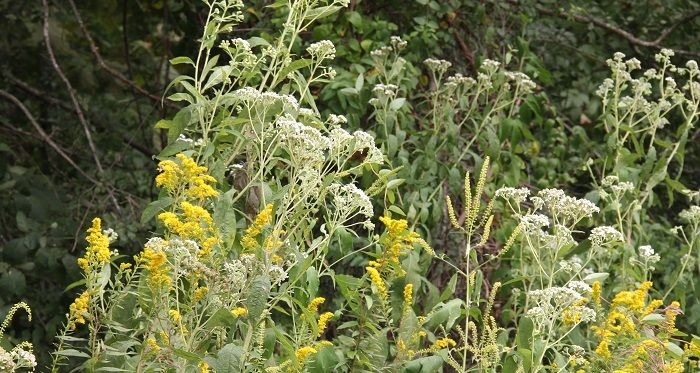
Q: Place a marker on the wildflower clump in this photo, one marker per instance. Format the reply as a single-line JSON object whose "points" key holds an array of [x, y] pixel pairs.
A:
{"points": [[79, 309], [22, 355], [323, 321], [97, 253], [154, 260], [621, 332], [187, 176], [249, 240], [315, 303]]}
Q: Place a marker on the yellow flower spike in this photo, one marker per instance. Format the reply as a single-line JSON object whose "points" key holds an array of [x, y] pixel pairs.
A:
{"points": [[443, 343], [175, 315], [263, 219], [199, 293], [596, 290], [152, 345], [239, 311], [313, 305], [378, 282], [407, 297], [124, 266], [97, 253], [323, 321], [169, 175], [304, 352], [203, 367], [156, 263], [78, 310]]}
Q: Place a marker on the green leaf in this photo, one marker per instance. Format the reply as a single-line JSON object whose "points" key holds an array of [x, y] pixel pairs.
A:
{"points": [[598, 276], [257, 297], [220, 318], [154, 208], [427, 364], [322, 11], [524, 336], [324, 361], [653, 319], [674, 349], [228, 359], [181, 60], [312, 281], [294, 66]]}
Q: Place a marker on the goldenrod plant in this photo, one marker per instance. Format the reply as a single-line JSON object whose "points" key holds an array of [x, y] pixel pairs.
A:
{"points": [[280, 248]]}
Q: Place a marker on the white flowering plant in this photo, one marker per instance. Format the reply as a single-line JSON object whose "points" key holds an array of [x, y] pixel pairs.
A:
{"points": [[268, 256]]}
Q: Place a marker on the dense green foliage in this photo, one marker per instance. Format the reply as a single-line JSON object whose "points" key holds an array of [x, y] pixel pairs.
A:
{"points": [[79, 135]]}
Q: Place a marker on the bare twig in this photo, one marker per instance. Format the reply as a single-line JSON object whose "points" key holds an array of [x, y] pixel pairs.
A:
{"points": [[102, 64], [39, 94], [69, 86], [45, 136], [656, 43]]}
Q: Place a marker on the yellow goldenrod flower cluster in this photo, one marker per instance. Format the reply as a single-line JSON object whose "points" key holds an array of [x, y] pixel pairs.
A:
{"points": [[620, 331], [156, 263], [315, 303], [323, 321], [194, 223], [175, 315], [304, 352], [203, 367], [397, 238], [407, 297], [97, 253], [152, 345], [239, 311], [596, 290], [249, 240], [187, 175], [443, 343], [378, 282], [79, 310], [199, 293]]}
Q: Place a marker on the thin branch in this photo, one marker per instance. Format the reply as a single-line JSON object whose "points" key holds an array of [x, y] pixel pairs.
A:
{"points": [[69, 86], [45, 136], [626, 34], [39, 94], [102, 64]]}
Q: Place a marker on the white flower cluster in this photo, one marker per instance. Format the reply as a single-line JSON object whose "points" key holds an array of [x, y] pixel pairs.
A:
{"points": [[490, 66], [16, 359], [398, 43], [605, 235], [518, 195], [647, 255], [525, 84], [565, 206], [385, 90], [437, 66], [322, 50], [380, 53], [253, 96], [691, 215], [551, 302], [572, 265], [336, 120], [350, 201], [112, 236], [306, 145], [458, 80], [532, 223]]}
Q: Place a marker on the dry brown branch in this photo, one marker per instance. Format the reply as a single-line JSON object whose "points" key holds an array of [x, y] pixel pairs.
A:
{"points": [[45, 136], [102, 64], [656, 43], [71, 90]]}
